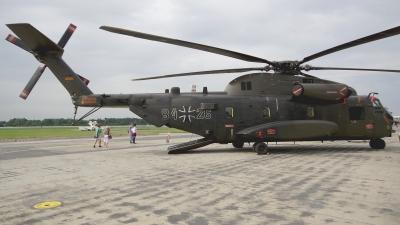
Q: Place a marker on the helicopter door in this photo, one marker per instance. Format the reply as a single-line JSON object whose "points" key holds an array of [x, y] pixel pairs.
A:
{"points": [[357, 117], [229, 123]]}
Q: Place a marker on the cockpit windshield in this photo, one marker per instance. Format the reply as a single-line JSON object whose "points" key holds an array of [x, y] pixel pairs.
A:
{"points": [[377, 106]]}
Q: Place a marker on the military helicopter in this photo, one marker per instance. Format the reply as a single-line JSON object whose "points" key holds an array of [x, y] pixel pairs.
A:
{"points": [[261, 107]]}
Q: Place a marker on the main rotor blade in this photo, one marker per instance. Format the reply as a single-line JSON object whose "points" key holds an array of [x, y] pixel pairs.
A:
{"points": [[202, 73], [370, 38], [358, 69], [220, 51]]}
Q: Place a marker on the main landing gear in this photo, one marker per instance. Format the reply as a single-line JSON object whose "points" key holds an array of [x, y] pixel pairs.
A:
{"points": [[377, 143], [260, 148]]}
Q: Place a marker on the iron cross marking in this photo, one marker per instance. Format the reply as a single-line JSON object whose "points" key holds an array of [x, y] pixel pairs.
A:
{"points": [[186, 114]]}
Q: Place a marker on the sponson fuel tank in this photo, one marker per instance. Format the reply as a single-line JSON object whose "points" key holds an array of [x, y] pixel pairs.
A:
{"points": [[326, 92]]}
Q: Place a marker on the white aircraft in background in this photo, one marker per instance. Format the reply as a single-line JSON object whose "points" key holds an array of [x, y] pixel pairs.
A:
{"points": [[92, 125]]}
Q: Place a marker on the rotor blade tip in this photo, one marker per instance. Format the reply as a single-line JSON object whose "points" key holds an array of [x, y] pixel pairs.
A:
{"points": [[105, 27]]}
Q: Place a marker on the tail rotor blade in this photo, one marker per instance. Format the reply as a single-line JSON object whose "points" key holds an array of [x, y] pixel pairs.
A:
{"points": [[34, 79], [28, 88], [84, 80], [16, 41], [67, 34]]}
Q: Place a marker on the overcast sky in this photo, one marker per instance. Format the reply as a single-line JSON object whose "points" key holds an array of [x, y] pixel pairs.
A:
{"points": [[274, 30]]}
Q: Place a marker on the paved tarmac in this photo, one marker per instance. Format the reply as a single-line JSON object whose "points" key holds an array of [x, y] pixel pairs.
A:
{"points": [[302, 183]]}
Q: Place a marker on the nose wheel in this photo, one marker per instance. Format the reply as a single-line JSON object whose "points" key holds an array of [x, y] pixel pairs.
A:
{"points": [[260, 148]]}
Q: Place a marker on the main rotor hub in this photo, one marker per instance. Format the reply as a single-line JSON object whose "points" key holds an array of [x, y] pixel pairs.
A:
{"points": [[287, 67]]}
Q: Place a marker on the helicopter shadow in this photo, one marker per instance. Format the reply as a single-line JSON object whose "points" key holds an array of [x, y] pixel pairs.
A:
{"points": [[285, 149]]}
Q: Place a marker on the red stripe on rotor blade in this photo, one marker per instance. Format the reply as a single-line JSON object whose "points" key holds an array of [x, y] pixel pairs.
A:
{"points": [[24, 94], [84, 80], [71, 28], [11, 38]]}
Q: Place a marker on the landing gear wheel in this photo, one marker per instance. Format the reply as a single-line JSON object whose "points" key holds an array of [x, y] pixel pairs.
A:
{"points": [[377, 143], [261, 148], [254, 146], [238, 144]]}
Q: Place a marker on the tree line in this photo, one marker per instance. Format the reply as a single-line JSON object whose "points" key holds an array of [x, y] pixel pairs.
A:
{"points": [[22, 122]]}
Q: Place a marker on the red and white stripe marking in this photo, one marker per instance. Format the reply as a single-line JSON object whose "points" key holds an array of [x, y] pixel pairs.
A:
{"points": [[71, 28], [84, 80], [24, 94], [11, 38]]}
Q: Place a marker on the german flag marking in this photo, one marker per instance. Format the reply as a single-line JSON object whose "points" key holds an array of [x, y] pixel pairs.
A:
{"points": [[69, 78]]}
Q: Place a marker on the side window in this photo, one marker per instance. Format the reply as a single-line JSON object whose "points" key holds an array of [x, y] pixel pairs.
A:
{"points": [[266, 112], [245, 86], [229, 112], [249, 85], [356, 113], [310, 111]]}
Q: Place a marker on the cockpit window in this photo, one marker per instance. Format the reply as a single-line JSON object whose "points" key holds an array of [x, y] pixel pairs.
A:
{"points": [[356, 113], [377, 106]]}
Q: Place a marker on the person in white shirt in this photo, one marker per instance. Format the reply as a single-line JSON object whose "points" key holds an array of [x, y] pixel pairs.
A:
{"points": [[133, 131]]}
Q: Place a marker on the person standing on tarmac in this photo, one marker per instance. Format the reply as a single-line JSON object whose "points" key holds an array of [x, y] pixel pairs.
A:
{"points": [[107, 136], [130, 134], [133, 131], [97, 135]]}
